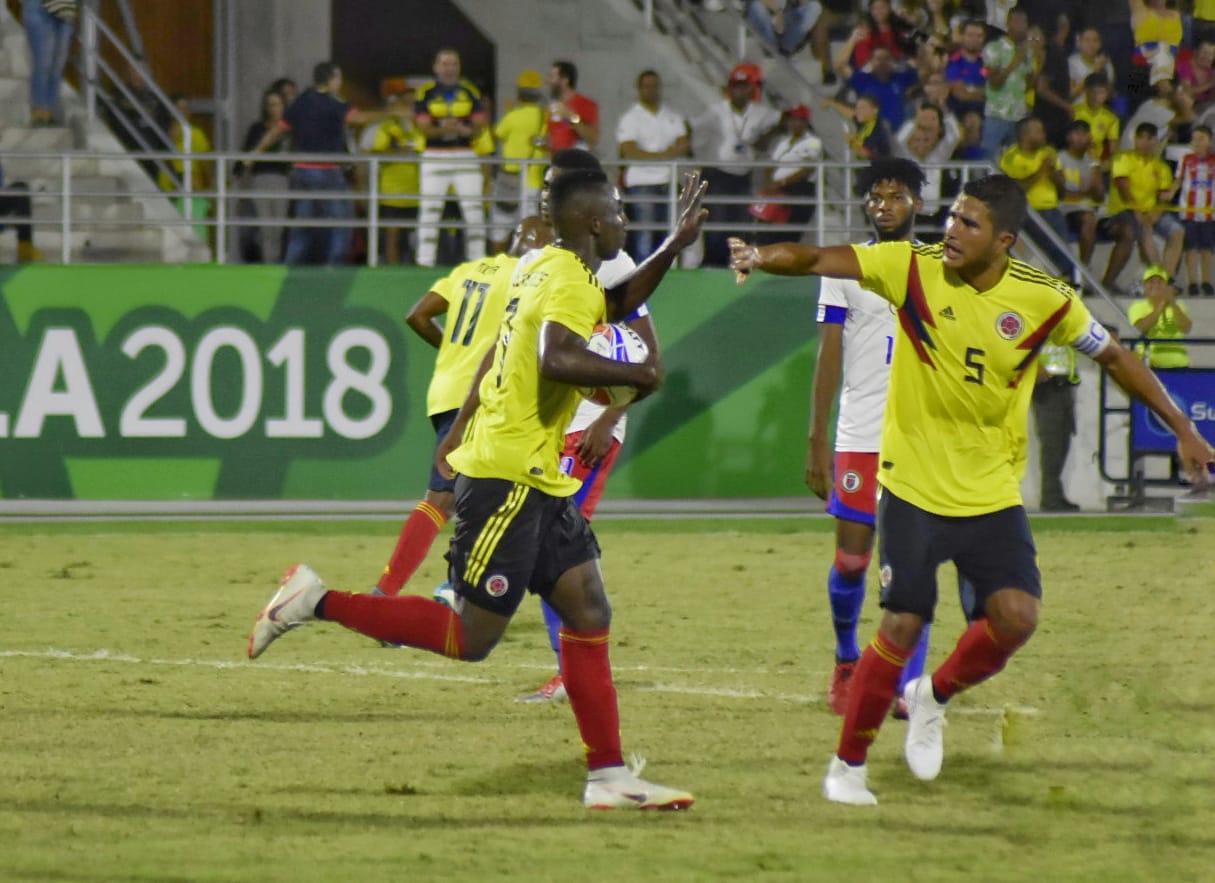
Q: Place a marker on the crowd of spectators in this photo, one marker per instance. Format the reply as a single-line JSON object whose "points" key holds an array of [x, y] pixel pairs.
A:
{"points": [[1101, 110]]}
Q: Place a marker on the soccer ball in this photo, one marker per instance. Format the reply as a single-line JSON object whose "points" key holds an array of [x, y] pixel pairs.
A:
{"points": [[621, 344]]}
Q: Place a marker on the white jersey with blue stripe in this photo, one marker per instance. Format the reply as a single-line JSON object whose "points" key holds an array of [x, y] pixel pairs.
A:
{"points": [[869, 331]]}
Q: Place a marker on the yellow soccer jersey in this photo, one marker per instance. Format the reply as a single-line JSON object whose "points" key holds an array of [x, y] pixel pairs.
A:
{"points": [[1019, 164], [476, 294], [1145, 176], [1105, 128], [519, 430], [954, 434]]}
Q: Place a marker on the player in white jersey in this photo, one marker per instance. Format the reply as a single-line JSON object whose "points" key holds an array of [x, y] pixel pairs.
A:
{"points": [[856, 342]]}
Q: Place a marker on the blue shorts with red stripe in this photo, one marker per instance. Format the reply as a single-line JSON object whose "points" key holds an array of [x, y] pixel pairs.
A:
{"points": [[854, 491]]}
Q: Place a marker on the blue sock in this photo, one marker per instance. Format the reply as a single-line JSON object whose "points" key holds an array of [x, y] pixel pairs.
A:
{"points": [[847, 598], [552, 621], [915, 665]]}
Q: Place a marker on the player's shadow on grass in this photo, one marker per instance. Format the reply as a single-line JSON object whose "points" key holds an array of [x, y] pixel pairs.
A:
{"points": [[278, 717], [389, 814]]}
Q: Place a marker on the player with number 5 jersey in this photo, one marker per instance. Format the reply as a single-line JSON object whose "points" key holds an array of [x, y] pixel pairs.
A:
{"points": [[972, 321]]}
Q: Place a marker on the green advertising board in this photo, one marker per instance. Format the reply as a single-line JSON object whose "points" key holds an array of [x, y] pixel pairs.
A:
{"points": [[275, 383]]}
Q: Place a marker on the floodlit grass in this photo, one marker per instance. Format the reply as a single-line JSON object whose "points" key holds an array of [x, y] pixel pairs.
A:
{"points": [[137, 744]]}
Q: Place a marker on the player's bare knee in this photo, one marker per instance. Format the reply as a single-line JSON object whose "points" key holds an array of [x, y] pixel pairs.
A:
{"points": [[1014, 615], [592, 614]]}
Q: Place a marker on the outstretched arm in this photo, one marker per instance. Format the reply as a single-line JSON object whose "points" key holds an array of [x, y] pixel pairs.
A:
{"points": [[624, 298], [1138, 380], [793, 259]]}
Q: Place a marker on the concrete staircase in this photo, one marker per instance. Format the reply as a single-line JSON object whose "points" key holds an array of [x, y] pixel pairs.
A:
{"points": [[117, 214]]}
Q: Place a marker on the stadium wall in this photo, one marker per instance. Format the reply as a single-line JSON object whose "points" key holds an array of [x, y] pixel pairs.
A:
{"points": [[209, 382]]}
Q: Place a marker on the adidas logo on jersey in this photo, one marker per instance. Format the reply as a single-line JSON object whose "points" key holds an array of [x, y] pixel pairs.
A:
{"points": [[947, 313]]}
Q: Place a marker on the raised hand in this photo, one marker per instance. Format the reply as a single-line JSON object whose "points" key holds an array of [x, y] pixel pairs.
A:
{"points": [[691, 210]]}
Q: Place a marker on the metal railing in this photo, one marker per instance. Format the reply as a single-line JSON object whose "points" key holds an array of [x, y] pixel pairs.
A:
{"points": [[834, 220]]}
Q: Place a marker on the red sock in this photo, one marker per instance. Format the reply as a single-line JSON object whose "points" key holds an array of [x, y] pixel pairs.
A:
{"points": [[404, 619], [979, 654], [416, 538], [874, 684], [588, 680]]}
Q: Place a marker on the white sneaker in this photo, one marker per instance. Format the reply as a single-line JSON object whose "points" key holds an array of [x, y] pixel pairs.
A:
{"points": [[925, 744], [618, 787], [847, 784], [294, 604]]}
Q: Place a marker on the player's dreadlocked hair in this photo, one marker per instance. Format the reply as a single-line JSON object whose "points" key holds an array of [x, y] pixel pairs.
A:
{"points": [[892, 168], [1004, 198]]}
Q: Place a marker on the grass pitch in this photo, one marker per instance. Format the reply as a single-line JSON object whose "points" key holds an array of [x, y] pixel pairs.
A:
{"points": [[137, 744]]}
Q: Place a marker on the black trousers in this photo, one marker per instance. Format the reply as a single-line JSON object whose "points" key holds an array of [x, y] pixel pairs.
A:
{"points": [[17, 205], [1055, 414]]}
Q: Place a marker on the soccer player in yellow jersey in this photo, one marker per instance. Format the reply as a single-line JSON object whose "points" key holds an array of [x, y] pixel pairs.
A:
{"points": [[971, 323], [519, 530], [473, 297]]}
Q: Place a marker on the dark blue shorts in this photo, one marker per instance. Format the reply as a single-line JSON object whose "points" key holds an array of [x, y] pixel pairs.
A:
{"points": [[1199, 235], [442, 423], [995, 551]]}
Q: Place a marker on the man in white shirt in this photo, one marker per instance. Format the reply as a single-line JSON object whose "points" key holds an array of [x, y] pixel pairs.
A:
{"points": [[649, 130], [856, 342], [728, 134]]}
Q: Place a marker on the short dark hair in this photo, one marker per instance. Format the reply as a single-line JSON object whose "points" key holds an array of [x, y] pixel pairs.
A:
{"points": [[1018, 10], [975, 22], [1004, 198], [569, 189], [323, 73], [1146, 129], [1205, 129], [1025, 122], [1098, 80], [576, 158], [569, 71], [648, 72], [892, 168], [1079, 126]]}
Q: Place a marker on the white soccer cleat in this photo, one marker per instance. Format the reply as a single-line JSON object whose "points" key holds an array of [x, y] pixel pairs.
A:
{"points": [[925, 744], [294, 604], [552, 690], [847, 784], [618, 787]]}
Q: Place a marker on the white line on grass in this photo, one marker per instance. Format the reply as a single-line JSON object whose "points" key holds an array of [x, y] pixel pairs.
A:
{"points": [[103, 655]]}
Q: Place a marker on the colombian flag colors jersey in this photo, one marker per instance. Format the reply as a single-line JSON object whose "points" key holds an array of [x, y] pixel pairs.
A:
{"points": [[476, 296], [963, 374], [518, 432]]}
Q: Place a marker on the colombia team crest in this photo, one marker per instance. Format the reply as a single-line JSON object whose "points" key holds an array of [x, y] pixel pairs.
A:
{"points": [[497, 585], [1009, 325]]}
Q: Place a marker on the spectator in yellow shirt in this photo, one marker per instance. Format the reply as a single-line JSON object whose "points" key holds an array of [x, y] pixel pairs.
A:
{"points": [[196, 207], [1141, 186], [1102, 122], [520, 133], [1033, 164], [1162, 317], [399, 180]]}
